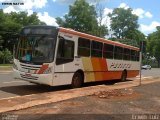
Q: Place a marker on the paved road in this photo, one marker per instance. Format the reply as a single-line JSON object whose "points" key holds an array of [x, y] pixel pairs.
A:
{"points": [[11, 88], [155, 72]]}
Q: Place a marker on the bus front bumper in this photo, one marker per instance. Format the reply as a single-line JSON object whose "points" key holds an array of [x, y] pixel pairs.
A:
{"points": [[46, 79]]}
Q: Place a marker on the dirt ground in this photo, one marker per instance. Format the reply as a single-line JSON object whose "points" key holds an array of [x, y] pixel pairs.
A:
{"points": [[133, 103]]}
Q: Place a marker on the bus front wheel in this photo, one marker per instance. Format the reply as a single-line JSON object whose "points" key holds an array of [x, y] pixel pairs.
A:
{"points": [[124, 76], [77, 80]]}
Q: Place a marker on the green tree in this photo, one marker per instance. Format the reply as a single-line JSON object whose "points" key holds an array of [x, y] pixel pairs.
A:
{"points": [[2, 19], [24, 19], [5, 56], [133, 37], [123, 21], [1, 42], [153, 45], [82, 17], [136, 36]]}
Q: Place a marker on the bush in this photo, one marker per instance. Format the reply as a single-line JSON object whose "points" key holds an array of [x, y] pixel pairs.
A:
{"points": [[5, 56]]}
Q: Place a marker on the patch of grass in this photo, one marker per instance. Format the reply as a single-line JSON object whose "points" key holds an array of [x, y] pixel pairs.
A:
{"points": [[6, 65]]}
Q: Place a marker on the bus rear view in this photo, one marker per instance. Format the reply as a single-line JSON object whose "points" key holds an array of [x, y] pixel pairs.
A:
{"points": [[34, 54]]}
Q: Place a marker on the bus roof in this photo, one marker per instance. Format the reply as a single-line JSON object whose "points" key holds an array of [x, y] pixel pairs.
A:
{"points": [[91, 37]]}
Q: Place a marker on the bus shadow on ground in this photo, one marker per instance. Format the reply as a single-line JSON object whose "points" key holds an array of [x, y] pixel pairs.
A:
{"points": [[35, 89]]}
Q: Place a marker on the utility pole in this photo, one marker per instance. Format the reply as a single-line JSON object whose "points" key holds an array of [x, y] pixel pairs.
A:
{"points": [[141, 53]]}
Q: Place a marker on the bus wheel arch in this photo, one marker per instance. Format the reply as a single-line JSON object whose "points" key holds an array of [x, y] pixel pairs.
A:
{"points": [[124, 75], [77, 79]]}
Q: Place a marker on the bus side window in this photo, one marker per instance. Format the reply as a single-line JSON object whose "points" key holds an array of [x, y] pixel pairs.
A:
{"points": [[108, 51], [133, 55], [83, 47], [118, 53], [126, 54], [96, 50], [65, 51]]}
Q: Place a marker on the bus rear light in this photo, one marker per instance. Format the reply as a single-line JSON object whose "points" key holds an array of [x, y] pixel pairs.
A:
{"points": [[48, 70]]}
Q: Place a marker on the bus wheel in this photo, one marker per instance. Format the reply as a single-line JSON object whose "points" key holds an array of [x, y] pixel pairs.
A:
{"points": [[77, 80], [124, 76]]}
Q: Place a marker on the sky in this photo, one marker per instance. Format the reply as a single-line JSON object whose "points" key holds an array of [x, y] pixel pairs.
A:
{"points": [[47, 10]]}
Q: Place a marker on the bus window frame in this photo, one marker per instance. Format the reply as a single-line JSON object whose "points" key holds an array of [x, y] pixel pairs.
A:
{"points": [[62, 60]]}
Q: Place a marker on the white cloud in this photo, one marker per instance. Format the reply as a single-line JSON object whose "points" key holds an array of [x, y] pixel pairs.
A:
{"points": [[123, 5], [149, 28], [142, 13], [39, 3], [47, 19], [106, 19], [107, 11], [30, 12], [148, 14], [4, 0], [139, 12], [9, 9]]}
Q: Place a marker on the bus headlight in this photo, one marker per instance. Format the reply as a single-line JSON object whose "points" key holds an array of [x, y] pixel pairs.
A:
{"points": [[15, 66], [48, 70]]}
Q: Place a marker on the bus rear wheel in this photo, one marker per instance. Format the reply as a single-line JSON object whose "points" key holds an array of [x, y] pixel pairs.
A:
{"points": [[77, 80], [124, 76]]}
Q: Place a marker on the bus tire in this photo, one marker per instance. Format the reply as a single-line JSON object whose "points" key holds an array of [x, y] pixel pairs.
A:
{"points": [[77, 80], [124, 76]]}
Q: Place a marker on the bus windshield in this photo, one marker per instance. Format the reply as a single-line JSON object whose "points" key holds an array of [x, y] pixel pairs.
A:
{"points": [[36, 49]]}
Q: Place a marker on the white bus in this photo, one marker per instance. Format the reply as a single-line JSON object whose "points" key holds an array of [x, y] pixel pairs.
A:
{"points": [[60, 56]]}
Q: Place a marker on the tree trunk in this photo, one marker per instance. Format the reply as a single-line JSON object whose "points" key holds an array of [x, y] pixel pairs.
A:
{"points": [[4, 60], [158, 63]]}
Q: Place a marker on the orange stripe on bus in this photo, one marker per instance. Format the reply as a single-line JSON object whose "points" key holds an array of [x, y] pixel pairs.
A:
{"points": [[97, 67], [132, 73], [96, 64], [112, 75], [42, 69], [103, 67], [103, 64]]}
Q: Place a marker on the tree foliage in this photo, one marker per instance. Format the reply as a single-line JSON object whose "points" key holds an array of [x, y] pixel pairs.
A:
{"points": [[82, 17], [123, 22], [153, 44]]}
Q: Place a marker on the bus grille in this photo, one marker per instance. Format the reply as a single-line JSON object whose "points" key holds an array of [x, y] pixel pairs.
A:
{"points": [[29, 68], [29, 77]]}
